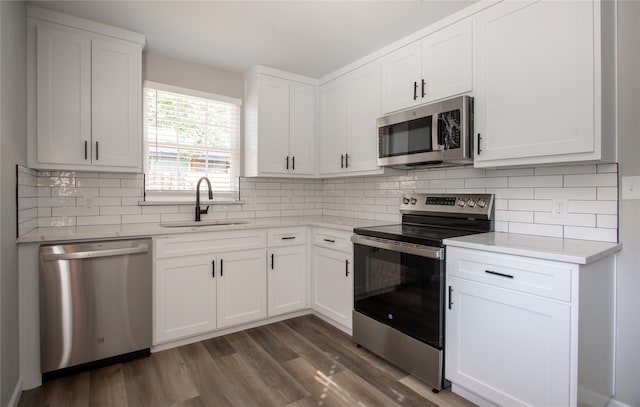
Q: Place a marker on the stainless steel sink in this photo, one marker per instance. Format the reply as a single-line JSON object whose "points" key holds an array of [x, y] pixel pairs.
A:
{"points": [[191, 223]]}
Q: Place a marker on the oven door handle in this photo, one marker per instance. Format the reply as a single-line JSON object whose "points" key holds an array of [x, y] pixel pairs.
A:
{"points": [[418, 250]]}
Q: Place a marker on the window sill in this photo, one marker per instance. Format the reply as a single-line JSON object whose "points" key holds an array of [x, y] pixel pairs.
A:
{"points": [[160, 202]]}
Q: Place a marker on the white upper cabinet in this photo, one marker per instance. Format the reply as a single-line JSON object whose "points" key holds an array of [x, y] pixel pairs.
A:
{"points": [[279, 126], [84, 95], [349, 107], [538, 91], [436, 67]]}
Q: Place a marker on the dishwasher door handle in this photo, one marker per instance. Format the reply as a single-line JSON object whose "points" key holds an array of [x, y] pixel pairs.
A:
{"points": [[141, 248]]}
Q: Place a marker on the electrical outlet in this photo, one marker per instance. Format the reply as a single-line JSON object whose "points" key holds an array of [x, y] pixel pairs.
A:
{"points": [[559, 208], [630, 187], [88, 202]]}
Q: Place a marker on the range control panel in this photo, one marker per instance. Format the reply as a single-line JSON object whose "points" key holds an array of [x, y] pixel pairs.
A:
{"points": [[460, 204]]}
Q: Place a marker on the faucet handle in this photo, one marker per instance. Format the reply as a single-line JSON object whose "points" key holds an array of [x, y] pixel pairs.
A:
{"points": [[205, 210]]}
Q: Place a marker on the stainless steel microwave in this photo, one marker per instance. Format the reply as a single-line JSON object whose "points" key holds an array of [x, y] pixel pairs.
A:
{"points": [[435, 134]]}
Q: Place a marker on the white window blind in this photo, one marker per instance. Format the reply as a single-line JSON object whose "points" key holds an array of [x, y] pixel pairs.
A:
{"points": [[189, 135]]}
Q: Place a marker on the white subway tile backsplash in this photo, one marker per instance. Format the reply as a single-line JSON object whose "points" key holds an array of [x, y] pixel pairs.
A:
{"points": [[465, 172], [572, 219], [566, 193], [568, 169], [539, 205], [536, 229], [75, 211], [597, 207], [541, 181], [598, 180], [120, 192], [98, 220], [498, 182], [522, 198], [98, 182], [607, 193], [607, 221], [582, 233], [152, 218]]}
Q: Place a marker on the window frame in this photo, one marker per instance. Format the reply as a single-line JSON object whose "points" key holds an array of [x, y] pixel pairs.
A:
{"points": [[153, 196]]}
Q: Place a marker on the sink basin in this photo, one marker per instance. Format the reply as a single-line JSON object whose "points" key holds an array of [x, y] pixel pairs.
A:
{"points": [[191, 223]]}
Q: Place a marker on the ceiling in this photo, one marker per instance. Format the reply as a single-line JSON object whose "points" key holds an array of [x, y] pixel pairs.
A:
{"points": [[311, 38]]}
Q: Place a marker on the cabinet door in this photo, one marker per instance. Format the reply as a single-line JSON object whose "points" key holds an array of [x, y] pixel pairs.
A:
{"points": [[286, 281], [302, 130], [333, 122], [510, 348], [534, 89], [363, 108], [63, 95], [447, 58], [401, 79], [333, 285], [273, 125], [116, 101], [241, 287], [185, 297]]}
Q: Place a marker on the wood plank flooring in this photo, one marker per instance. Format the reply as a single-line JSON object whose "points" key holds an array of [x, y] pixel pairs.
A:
{"points": [[301, 362]]}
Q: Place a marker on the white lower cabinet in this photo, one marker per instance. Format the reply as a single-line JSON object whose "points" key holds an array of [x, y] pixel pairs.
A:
{"points": [[511, 347], [241, 287], [286, 271], [185, 297], [332, 276], [529, 332], [208, 281]]}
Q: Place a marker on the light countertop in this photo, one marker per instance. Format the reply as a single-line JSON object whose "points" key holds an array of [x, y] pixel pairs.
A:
{"points": [[549, 248], [61, 234]]}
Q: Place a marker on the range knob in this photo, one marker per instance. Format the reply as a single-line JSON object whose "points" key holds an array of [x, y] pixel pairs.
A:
{"points": [[461, 203], [405, 200], [482, 203], [413, 201], [471, 203]]}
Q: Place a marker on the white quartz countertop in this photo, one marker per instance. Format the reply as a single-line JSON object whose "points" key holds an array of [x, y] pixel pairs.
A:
{"points": [[63, 234], [549, 248]]}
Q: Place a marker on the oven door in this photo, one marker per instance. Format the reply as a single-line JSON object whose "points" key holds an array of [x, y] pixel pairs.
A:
{"points": [[401, 285]]}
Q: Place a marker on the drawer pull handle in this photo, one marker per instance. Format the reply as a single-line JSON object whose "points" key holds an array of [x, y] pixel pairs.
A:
{"points": [[450, 296], [288, 238], [329, 240], [495, 273]]}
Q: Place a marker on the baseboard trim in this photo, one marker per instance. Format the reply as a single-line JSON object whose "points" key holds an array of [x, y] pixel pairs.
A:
{"points": [[616, 403], [15, 397]]}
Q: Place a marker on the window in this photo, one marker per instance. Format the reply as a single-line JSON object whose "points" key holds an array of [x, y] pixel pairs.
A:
{"points": [[189, 135]]}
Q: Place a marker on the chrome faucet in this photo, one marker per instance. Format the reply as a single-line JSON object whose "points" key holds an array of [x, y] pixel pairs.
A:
{"points": [[198, 210]]}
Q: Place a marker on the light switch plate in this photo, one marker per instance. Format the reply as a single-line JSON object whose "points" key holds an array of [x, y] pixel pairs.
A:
{"points": [[630, 187]]}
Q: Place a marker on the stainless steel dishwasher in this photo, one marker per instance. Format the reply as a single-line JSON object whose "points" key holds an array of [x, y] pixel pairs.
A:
{"points": [[95, 303]]}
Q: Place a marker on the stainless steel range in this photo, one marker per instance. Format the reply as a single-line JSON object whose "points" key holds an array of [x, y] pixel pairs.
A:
{"points": [[399, 279]]}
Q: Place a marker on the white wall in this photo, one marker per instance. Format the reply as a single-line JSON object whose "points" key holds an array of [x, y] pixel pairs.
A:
{"points": [[13, 149], [171, 71], [628, 270]]}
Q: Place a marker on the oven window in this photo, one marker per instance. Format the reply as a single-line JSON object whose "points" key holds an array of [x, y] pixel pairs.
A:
{"points": [[410, 137], [401, 290]]}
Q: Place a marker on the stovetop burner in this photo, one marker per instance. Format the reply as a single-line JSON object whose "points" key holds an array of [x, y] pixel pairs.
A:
{"points": [[428, 219]]}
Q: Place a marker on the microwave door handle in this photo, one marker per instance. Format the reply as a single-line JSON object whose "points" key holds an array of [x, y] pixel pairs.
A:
{"points": [[435, 142]]}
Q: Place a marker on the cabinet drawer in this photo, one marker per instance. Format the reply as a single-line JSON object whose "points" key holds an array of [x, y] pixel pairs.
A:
{"points": [[333, 239], [533, 276], [286, 236], [202, 243]]}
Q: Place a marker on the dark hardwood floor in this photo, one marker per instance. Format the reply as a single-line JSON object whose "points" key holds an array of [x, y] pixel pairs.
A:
{"points": [[299, 362]]}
